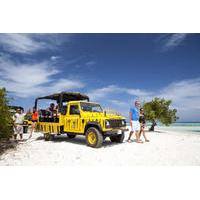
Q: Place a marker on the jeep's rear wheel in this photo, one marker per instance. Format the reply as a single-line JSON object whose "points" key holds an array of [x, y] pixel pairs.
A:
{"points": [[117, 138], [94, 137], [48, 137], [71, 135]]}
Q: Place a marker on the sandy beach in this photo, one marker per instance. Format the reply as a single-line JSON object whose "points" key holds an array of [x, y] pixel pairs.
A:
{"points": [[167, 148]]}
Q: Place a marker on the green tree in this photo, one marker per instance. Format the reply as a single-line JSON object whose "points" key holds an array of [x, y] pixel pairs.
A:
{"points": [[159, 110], [5, 115]]}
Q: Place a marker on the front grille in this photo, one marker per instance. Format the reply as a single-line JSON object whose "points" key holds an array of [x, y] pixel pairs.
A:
{"points": [[116, 123]]}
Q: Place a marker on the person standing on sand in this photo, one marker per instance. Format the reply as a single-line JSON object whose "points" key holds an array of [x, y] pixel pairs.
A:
{"points": [[18, 119], [134, 122], [34, 118], [142, 124]]}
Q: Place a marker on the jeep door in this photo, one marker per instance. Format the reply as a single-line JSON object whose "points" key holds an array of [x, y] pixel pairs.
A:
{"points": [[74, 119]]}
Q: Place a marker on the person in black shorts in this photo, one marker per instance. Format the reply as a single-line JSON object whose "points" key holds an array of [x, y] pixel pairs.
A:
{"points": [[142, 121]]}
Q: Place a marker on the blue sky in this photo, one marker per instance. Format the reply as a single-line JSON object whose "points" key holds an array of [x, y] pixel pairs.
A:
{"points": [[113, 69]]}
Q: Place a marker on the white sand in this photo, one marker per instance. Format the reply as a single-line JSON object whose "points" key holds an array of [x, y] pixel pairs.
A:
{"points": [[164, 148]]}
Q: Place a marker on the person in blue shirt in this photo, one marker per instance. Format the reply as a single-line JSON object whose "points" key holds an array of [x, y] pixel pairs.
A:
{"points": [[134, 122]]}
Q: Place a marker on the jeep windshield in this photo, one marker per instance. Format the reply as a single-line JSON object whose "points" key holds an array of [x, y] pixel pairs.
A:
{"points": [[91, 107]]}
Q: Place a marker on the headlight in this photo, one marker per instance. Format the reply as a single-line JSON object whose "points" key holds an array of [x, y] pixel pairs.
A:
{"points": [[107, 123], [123, 122]]}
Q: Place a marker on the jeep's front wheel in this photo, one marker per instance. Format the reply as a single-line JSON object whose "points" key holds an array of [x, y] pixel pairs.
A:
{"points": [[94, 137], [117, 138]]}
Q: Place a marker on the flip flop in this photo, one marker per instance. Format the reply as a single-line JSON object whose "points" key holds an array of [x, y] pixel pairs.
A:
{"points": [[139, 142]]}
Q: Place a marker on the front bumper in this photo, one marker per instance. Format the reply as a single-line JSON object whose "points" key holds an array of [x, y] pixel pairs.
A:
{"points": [[115, 131]]}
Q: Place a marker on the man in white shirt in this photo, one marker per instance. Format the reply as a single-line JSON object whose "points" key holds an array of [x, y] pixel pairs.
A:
{"points": [[18, 124]]}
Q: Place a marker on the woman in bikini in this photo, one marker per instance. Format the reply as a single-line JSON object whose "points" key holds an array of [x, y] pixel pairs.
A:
{"points": [[142, 121]]}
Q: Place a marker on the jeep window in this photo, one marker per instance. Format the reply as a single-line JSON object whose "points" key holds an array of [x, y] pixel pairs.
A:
{"points": [[74, 110], [89, 107]]}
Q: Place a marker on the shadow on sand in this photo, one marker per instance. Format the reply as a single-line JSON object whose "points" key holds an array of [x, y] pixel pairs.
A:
{"points": [[6, 145], [154, 131], [79, 140]]}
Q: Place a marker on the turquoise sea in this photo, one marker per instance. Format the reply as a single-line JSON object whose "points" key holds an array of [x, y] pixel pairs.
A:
{"points": [[189, 127], [185, 127]]}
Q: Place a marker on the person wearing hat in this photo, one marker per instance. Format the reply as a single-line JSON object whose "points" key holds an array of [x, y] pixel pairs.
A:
{"points": [[18, 119]]}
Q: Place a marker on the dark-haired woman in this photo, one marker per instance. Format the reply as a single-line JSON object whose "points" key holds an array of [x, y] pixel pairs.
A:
{"points": [[142, 121]]}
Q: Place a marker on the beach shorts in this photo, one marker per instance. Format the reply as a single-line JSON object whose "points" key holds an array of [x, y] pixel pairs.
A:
{"points": [[135, 126], [18, 129]]}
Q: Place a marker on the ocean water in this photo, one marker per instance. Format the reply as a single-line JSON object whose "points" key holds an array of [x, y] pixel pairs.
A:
{"points": [[186, 127]]}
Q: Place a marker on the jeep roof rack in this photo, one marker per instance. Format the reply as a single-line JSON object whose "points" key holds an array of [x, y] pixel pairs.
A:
{"points": [[64, 97]]}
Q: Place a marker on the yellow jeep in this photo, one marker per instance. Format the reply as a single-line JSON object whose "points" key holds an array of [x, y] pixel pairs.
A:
{"points": [[76, 115]]}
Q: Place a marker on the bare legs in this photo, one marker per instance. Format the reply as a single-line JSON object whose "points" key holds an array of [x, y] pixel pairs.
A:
{"points": [[18, 131], [130, 134], [15, 136], [137, 135], [32, 129], [142, 132]]}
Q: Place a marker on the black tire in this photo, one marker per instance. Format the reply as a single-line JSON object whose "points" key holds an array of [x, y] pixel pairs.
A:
{"points": [[98, 141], [48, 137], [113, 138], [117, 138], [71, 135]]}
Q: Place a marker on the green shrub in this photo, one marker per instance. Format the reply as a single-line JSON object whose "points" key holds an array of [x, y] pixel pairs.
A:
{"points": [[5, 116]]}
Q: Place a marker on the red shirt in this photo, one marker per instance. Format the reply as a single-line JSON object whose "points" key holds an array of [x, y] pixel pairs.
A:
{"points": [[35, 116]]}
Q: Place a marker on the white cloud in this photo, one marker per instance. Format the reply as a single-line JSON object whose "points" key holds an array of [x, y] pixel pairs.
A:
{"points": [[20, 43], [174, 40], [118, 103], [185, 96], [90, 63], [29, 43], [65, 85], [102, 92], [31, 74], [182, 89], [55, 58], [113, 89], [137, 92], [27, 80]]}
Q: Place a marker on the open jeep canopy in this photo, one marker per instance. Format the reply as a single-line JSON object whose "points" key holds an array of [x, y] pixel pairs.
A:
{"points": [[16, 107], [64, 97]]}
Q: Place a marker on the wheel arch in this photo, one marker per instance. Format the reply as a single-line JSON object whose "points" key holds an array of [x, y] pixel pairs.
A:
{"points": [[92, 124]]}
